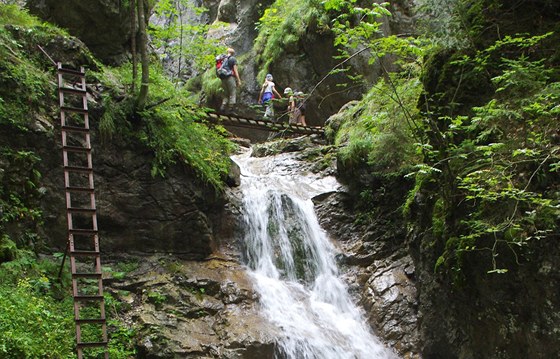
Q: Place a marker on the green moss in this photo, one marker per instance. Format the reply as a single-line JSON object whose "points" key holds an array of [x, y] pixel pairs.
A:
{"points": [[24, 85], [16, 16], [157, 298], [304, 270], [8, 249], [438, 219]]}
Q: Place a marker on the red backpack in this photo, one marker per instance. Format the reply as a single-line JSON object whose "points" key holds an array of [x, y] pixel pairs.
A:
{"points": [[222, 66]]}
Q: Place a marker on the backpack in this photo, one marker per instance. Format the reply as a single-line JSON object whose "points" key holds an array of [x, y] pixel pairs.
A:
{"points": [[300, 102], [222, 67]]}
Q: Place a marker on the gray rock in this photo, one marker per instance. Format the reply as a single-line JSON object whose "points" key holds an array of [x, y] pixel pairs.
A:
{"points": [[201, 310], [103, 25]]}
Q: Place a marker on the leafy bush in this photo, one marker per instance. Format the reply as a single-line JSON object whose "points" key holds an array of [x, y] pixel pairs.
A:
{"points": [[34, 325], [20, 215], [489, 170], [36, 315], [157, 298], [34, 322], [17, 16], [176, 131], [378, 131]]}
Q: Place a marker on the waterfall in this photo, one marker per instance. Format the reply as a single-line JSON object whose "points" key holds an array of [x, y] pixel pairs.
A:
{"points": [[291, 262]]}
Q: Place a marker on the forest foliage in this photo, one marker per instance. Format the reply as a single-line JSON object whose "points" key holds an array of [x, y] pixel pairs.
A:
{"points": [[485, 130]]}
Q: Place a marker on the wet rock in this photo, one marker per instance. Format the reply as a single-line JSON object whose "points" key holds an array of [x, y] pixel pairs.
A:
{"points": [[391, 298], [191, 309], [380, 276], [281, 146], [233, 178]]}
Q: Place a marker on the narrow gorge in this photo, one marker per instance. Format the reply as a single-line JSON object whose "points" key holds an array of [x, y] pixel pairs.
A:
{"points": [[421, 223]]}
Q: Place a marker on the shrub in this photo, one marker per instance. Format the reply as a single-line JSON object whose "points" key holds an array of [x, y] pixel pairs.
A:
{"points": [[34, 325], [377, 131]]}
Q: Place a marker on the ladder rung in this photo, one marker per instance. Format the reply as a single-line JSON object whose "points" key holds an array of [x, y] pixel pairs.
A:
{"points": [[73, 109], [73, 90], [82, 231], [90, 321], [71, 71], [91, 344], [77, 169], [84, 253], [88, 297], [76, 148], [79, 189], [87, 275], [75, 129], [81, 210]]}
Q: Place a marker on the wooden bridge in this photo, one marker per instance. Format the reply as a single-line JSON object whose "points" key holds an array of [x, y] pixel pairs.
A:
{"points": [[267, 125]]}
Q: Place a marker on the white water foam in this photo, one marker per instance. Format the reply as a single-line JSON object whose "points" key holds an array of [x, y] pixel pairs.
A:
{"points": [[292, 263]]}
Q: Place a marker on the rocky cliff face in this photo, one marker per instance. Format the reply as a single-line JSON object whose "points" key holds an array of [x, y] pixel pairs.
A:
{"points": [[136, 212], [209, 308], [155, 224], [103, 25], [466, 312], [191, 309]]}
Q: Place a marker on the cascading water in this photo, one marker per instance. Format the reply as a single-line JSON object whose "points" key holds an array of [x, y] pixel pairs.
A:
{"points": [[292, 264]]}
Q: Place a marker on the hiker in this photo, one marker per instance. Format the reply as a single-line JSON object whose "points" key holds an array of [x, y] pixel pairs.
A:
{"points": [[229, 75], [300, 105], [293, 112], [266, 96]]}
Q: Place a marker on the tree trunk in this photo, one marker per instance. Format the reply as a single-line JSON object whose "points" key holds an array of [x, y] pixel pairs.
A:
{"points": [[133, 13], [180, 11], [143, 39]]}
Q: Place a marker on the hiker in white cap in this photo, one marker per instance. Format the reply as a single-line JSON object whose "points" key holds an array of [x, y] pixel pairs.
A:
{"points": [[268, 90]]}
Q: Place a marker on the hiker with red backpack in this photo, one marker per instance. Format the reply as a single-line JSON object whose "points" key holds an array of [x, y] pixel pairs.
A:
{"points": [[227, 71], [266, 96]]}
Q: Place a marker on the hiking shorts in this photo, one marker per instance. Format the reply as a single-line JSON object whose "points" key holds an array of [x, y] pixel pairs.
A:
{"points": [[267, 96]]}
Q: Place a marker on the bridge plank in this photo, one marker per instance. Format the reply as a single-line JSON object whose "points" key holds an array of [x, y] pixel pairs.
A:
{"points": [[240, 121]]}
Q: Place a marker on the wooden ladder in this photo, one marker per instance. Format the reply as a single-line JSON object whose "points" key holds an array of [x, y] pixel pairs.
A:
{"points": [[81, 215]]}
